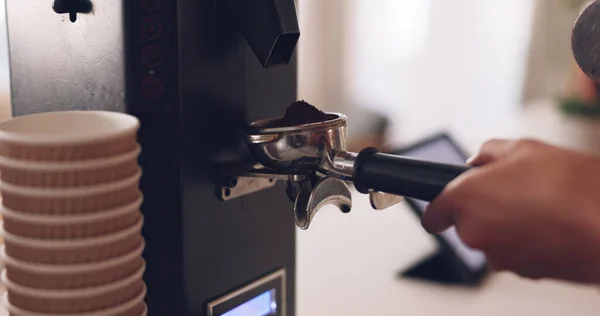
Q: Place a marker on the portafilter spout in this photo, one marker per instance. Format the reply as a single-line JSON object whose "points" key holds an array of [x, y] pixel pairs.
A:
{"points": [[321, 147]]}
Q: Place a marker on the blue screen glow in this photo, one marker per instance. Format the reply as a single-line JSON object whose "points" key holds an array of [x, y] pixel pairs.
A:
{"points": [[263, 305]]}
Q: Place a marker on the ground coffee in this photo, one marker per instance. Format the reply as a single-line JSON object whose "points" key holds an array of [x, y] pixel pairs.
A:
{"points": [[302, 112]]}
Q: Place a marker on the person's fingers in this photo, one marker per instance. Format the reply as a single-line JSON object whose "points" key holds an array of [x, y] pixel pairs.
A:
{"points": [[491, 151], [444, 210], [435, 220], [439, 214], [496, 262]]}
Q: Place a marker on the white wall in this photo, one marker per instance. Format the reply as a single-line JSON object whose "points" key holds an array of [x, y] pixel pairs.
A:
{"points": [[5, 110], [550, 62], [426, 64], [321, 51], [4, 75]]}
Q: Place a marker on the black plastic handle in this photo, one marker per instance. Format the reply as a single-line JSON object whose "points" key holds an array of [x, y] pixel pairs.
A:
{"points": [[412, 178]]}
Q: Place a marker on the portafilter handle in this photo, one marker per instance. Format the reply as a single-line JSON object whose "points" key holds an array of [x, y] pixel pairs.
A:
{"points": [[408, 177]]}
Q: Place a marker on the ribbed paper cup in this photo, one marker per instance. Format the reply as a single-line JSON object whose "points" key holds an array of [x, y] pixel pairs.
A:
{"points": [[73, 251], [78, 300], [86, 199], [135, 307], [69, 276], [68, 135], [69, 174], [71, 226]]}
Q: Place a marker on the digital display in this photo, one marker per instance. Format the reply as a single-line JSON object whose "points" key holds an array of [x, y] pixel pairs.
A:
{"points": [[264, 304], [444, 151]]}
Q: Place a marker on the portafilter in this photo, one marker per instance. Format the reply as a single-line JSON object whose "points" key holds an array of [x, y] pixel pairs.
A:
{"points": [[318, 150]]}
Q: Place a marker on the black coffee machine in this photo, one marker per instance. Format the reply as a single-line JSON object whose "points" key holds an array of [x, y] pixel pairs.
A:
{"points": [[194, 72]]}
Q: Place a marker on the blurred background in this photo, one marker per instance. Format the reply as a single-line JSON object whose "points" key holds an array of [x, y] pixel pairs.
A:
{"points": [[405, 69], [420, 66], [5, 110]]}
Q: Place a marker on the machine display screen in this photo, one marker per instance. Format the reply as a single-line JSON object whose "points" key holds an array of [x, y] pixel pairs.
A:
{"points": [[264, 304], [442, 150], [262, 297]]}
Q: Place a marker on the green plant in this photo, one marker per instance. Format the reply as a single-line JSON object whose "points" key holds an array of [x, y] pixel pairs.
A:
{"points": [[573, 106], [576, 4]]}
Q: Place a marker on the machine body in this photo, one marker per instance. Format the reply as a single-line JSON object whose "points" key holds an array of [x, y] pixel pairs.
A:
{"points": [[195, 72]]}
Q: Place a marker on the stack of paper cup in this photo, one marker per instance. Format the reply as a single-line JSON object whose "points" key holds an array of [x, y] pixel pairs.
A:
{"points": [[71, 211]]}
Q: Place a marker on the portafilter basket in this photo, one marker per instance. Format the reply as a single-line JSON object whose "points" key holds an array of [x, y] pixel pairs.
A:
{"points": [[296, 149], [318, 150]]}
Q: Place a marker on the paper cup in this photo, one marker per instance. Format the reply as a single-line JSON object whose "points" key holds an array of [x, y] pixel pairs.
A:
{"points": [[47, 276], [73, 251], [139, 309], [68, 135], [134, 307], [78, 200], [69, 174], [71, 226], [79, 300]]}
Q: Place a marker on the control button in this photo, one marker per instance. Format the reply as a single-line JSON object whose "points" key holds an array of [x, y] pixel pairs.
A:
{"points": [[150, 5], [152, 56], [152, 87], [151, 28]]}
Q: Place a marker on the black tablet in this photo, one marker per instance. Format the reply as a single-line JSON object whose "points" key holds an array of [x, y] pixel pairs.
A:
{"points": [[442, 148]]}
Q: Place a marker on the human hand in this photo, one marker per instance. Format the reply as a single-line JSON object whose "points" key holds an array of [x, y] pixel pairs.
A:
{"points": [[532, 208]]}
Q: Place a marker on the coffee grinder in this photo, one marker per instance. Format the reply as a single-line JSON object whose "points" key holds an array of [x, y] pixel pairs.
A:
{"points": [[194, 72]]}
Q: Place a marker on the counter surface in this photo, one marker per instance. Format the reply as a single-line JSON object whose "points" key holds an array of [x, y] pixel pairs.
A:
{"points": [[348, 263]]}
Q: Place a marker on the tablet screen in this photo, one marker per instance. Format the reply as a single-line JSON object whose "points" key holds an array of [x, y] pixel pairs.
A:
{"points": [[444, 151]]}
